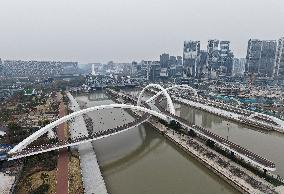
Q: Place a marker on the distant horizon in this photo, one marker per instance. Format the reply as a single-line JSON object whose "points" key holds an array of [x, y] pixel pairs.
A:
{"points": [[146, 59], [127, 30]]}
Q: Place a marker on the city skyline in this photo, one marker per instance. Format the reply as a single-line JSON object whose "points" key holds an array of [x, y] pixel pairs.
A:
{"points": [[135, 96], [110, 30]]}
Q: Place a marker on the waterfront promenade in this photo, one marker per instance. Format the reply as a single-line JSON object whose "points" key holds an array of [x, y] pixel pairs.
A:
{"points": [[242, 179], [62, 163], [236, 114], [91, 174]]}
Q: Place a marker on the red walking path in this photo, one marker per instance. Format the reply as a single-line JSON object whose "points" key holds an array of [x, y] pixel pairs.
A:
{"points": [[62, 163]]}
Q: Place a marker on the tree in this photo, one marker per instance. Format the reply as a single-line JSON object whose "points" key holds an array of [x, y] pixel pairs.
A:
{"points": [[14, 128], [44, 177], [28, 184]]}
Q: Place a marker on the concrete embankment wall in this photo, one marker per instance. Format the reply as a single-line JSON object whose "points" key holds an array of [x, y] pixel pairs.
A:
{"points": [[238, 183], [92, 178], [219, 113], [216, 171]]}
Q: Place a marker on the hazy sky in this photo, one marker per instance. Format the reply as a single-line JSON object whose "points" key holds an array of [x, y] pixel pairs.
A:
{"points": [[126, 30]]}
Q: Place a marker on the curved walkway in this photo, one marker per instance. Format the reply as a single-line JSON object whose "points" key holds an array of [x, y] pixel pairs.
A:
{"points": [[43, 130]]}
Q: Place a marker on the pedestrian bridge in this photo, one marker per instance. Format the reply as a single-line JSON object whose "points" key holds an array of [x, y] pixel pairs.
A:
{"points": [[23, 150], [50, 126]]}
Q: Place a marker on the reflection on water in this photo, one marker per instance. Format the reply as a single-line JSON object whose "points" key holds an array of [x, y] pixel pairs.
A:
{"points": [[142, 161], [267, 144]]}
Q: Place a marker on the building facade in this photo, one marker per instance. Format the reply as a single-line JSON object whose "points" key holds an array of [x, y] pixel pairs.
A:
{"points": [[191, 53], [226, 58], [267, 59], [260, 59], [164, 60], [238, 66], [279, 61], [253, 56], [213, 55]]}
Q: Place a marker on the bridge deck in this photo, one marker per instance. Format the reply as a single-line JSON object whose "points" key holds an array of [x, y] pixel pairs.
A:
{"points": [[82, 139]]}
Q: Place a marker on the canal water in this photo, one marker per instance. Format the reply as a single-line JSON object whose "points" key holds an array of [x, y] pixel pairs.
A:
{"points": [[267, 144], [143, 161]]}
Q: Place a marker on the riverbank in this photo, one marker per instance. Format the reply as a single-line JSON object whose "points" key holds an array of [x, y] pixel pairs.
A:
{"points": [[240, 178], [228, 115], [92, 178], [236, 114], [232, 173]]}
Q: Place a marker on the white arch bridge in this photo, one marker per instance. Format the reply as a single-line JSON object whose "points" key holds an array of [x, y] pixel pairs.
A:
{"points": [[16, 152], [22, 150]]}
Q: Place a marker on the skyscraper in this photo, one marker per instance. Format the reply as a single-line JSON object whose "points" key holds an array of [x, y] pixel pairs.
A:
{"points": [[226, 57], [279, 62], [202, 64], [238, 66], [213, 55], [179, 60], [179, 67], [172, 61], [261, 57], [191, 52], [224, 49], [164, 60], [253, 56], [267, 59]]}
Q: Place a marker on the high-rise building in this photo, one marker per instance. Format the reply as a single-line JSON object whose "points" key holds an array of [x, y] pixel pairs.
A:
{"points": [[179, 71], [267, 59], [238, 66], [173, 61], [202, 64], [213, 55], [253, 56], [143, 69], [191, 52], [155, 69], [226, 57], [279, 62], [164, 60], [224, 49], [261, 57], [179, 60]]}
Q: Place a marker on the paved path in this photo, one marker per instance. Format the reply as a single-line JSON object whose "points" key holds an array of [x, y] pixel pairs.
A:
{"points": [[91, 174], [62, 163]]}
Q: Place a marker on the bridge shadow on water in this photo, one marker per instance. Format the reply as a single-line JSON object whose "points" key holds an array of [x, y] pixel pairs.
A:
{"points": [[150, 142]]}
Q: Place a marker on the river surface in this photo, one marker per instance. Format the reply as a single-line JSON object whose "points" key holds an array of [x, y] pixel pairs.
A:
{"points": [[268, 144], [143, 161]]}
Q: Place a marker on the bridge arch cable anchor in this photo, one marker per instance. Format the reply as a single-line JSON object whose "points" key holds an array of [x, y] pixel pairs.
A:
{"points": [[163, 91], [173, 87]]}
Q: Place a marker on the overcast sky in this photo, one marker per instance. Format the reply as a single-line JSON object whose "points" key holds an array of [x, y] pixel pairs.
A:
{"points": [[126, 30]]}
